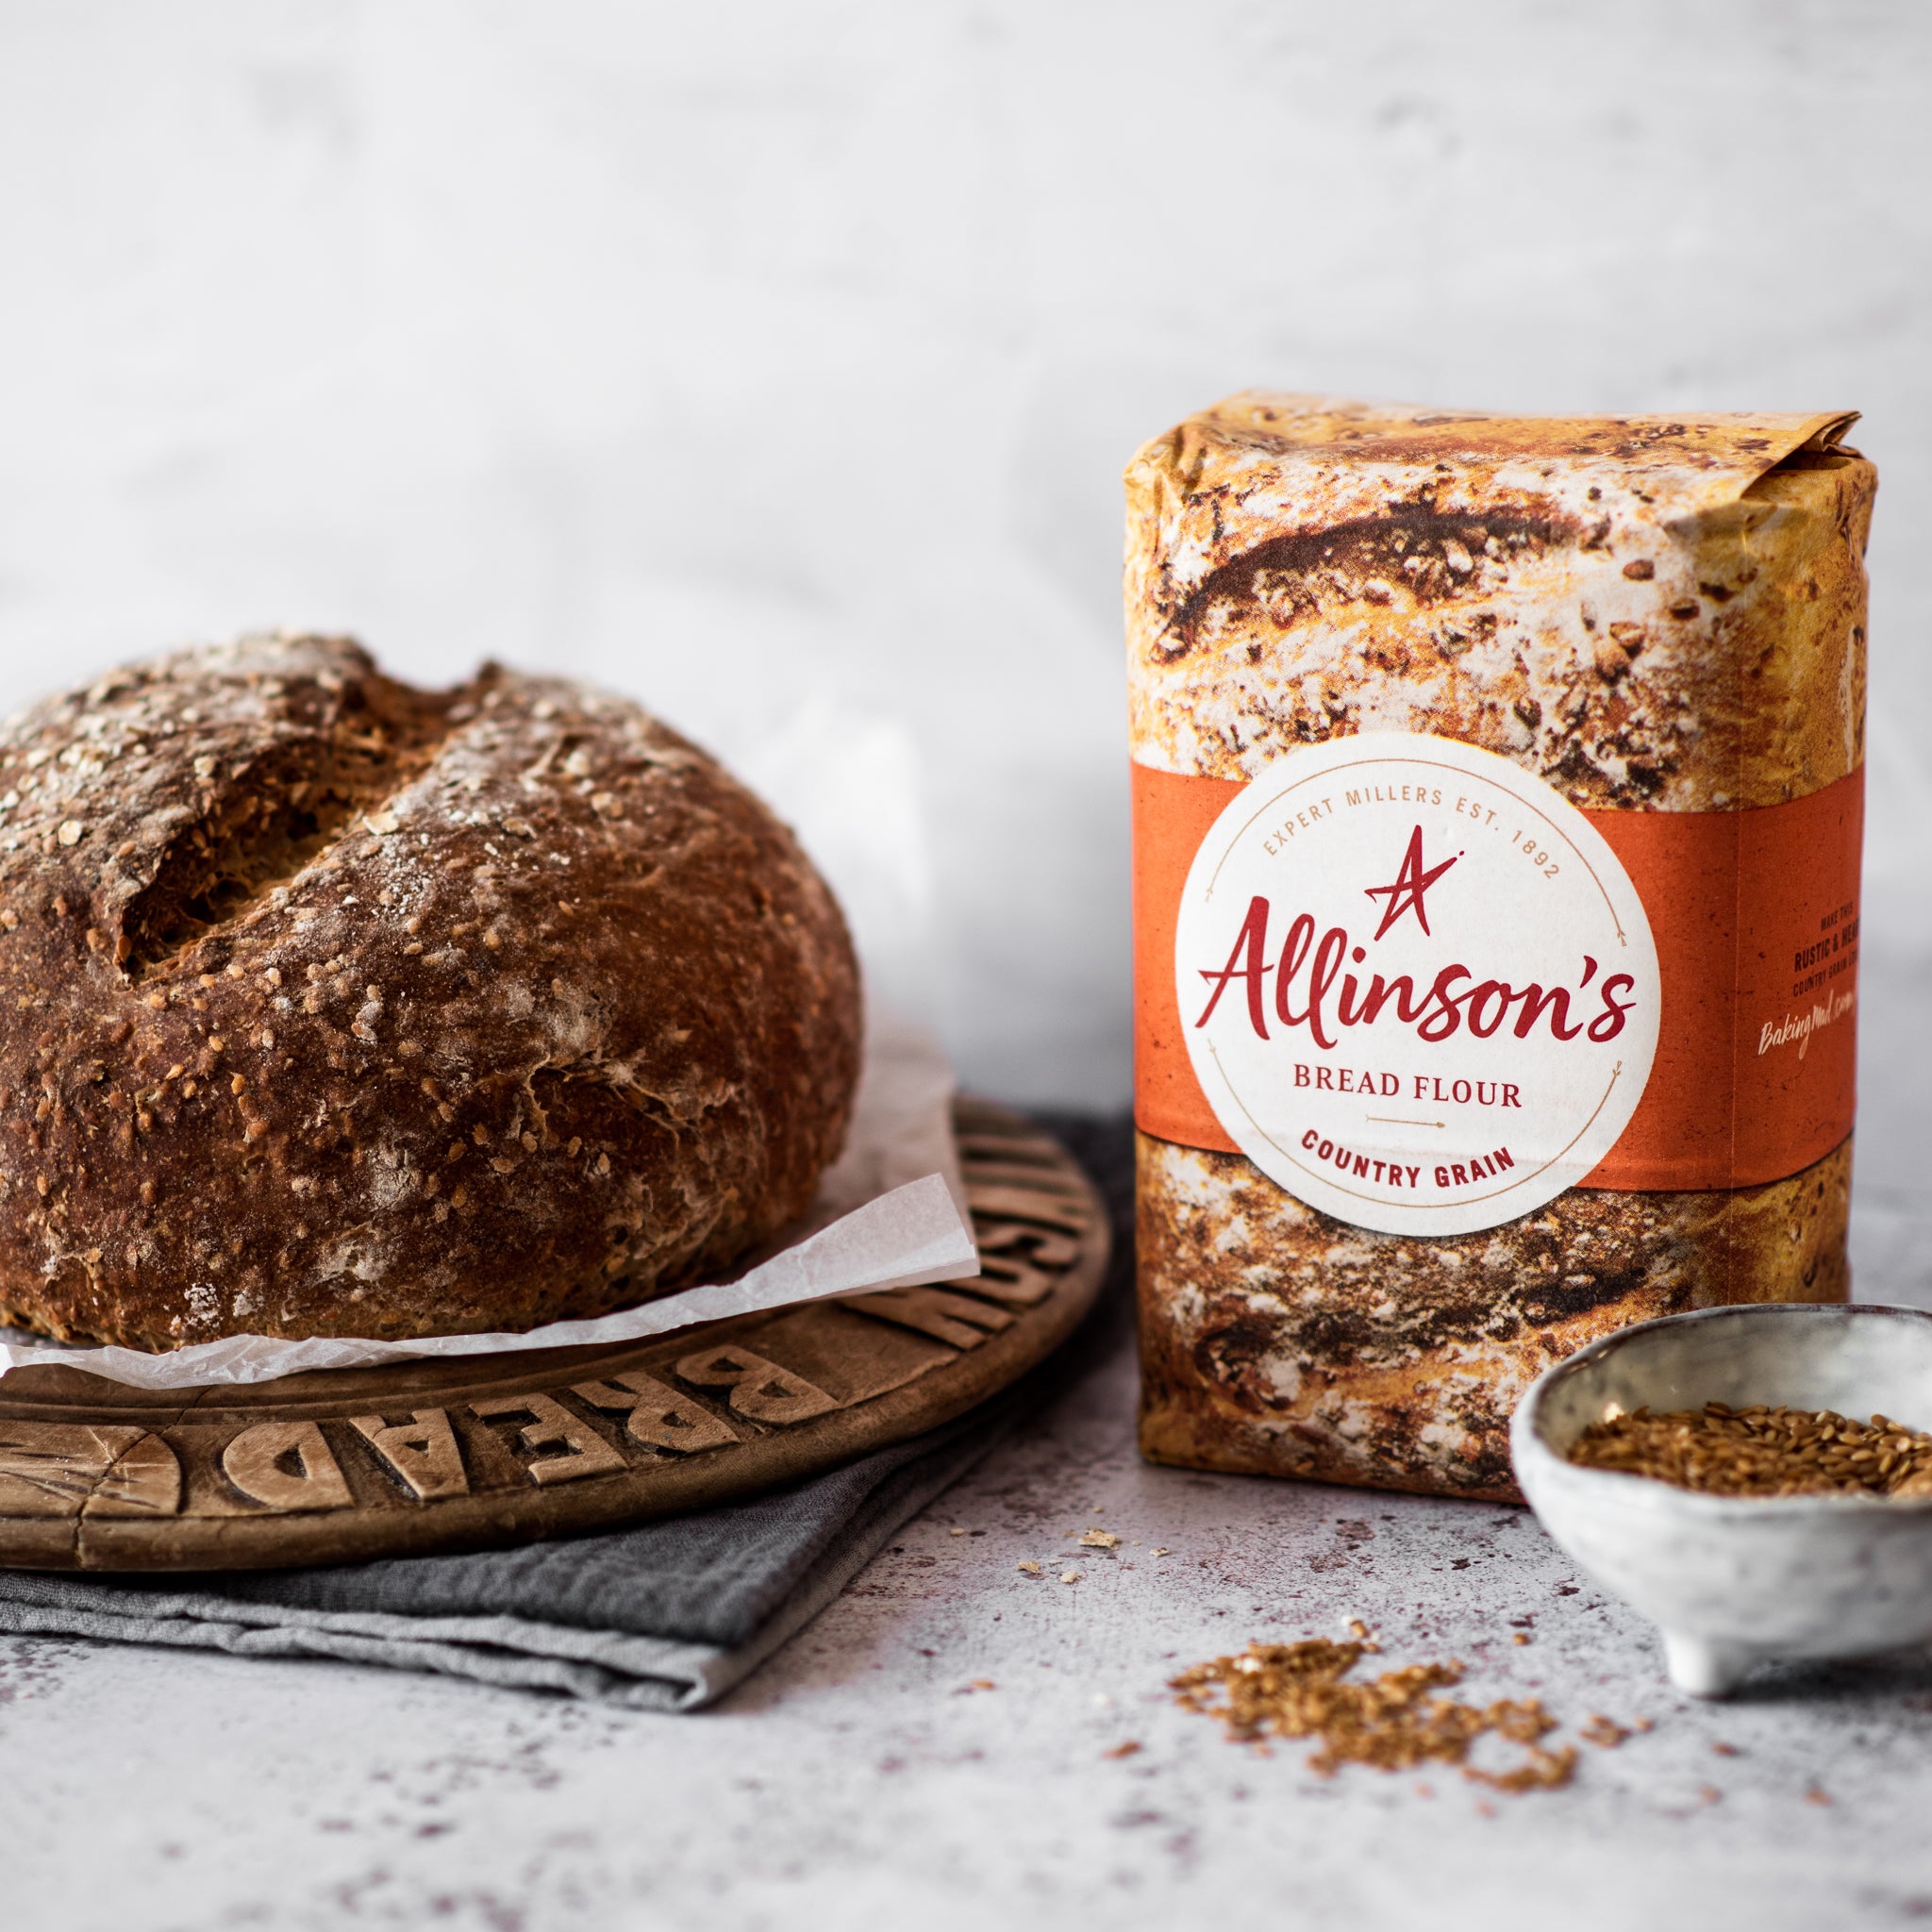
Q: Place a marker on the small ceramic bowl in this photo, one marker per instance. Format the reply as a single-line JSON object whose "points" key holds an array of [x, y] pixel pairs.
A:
{"points": [[1736, 1580]]}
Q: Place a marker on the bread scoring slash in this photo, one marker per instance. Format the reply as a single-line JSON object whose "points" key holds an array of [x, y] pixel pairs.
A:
{"points": [[329, 1005], [1630, 653]]}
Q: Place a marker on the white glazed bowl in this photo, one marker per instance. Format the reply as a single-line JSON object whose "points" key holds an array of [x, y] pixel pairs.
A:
{"points": [[1735, 1580]]}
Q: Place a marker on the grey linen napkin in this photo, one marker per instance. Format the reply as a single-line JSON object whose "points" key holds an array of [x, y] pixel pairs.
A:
{"points": [[666, 1616]]}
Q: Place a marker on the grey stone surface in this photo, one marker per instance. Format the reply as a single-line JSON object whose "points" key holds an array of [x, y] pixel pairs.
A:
{"points": [[860, 1780]]}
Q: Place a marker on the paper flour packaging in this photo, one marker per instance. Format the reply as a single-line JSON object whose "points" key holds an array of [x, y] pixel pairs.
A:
{"points": [[1497, 808]]}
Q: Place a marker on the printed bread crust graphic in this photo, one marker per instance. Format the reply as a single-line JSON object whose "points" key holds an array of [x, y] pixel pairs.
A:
{"points": [[1663, 620]]}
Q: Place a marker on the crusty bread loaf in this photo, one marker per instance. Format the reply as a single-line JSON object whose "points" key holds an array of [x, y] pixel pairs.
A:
{"points": [[1617, 607], [333, 1007]]}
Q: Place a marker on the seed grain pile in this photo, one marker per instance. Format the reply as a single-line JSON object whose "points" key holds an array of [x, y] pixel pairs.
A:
{"points": [[1394, 1722], [1762, 1451]]}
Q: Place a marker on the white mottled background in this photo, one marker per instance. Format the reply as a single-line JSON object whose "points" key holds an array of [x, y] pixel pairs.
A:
{"points": [[776, 362]]}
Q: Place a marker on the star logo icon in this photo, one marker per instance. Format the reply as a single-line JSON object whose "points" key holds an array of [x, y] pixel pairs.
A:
{"points": [[1411, 882]]}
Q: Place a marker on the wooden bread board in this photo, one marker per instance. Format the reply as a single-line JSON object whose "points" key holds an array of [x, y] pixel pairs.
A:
{"points": [[435, 1456]]}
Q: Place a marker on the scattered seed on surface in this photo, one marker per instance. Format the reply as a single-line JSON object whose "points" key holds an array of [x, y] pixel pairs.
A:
{"points": [[1394, 1723]]}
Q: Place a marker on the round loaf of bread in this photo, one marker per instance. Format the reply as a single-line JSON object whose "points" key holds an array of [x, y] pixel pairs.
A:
{"points": [[333, 1007]]}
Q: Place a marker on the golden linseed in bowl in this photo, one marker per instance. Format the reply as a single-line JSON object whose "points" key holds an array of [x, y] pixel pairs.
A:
{"points": [[1762, 1451]]}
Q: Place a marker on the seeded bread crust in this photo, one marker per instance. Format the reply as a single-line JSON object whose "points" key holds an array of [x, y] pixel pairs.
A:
{"points": [[333, 1007]]}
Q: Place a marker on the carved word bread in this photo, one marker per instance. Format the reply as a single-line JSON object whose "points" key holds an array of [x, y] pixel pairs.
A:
{"points": [[333, 1007], [439, 1455], [1498, 800]]}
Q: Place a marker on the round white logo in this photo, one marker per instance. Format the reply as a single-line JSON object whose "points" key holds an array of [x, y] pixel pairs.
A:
{"points": [[1419, 989]]}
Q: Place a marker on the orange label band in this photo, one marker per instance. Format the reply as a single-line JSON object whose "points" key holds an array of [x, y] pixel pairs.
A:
{"points": [[1754, 916]]}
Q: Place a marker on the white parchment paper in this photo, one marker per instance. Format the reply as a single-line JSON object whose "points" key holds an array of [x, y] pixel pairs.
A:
{"points": [[891, 1213]]}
